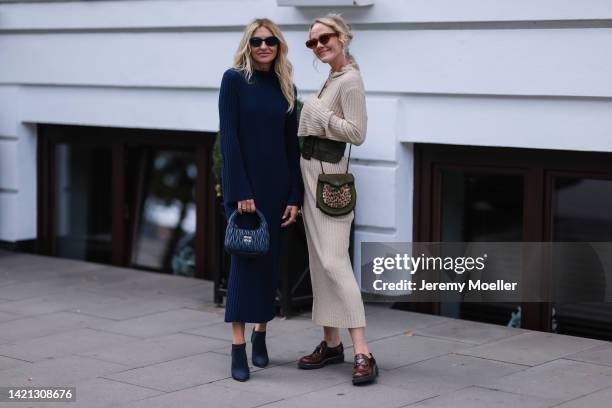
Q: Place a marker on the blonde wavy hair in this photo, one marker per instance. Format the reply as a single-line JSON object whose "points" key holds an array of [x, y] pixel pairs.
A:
{"points": [[244, 63], [337, 23]]}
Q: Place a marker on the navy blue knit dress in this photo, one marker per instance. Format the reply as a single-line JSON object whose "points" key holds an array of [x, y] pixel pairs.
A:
{"points": [[260, 161]]}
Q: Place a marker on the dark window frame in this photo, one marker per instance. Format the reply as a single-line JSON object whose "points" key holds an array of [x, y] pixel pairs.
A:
{"points": [[539, 167], [120, 139]]}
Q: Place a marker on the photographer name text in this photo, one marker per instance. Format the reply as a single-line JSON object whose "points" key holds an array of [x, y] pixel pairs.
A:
{"points": [[406, 285]]}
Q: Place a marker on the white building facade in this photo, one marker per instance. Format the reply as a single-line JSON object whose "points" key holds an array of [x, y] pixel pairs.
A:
{"points": [[533, 74]]}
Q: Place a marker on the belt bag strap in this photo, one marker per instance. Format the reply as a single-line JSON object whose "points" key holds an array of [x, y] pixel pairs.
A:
{"points": [[347, 162]]}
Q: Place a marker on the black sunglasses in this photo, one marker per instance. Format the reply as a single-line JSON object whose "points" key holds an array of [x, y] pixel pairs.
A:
{"points": [[323, 39], [257, 41]]}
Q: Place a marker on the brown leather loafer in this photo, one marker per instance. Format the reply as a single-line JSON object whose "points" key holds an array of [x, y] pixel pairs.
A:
{"points": [[321, 356], [365, 369]]}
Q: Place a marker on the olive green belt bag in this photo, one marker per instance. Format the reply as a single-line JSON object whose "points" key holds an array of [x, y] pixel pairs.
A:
{"points": [[323, 149], [336, 194]]}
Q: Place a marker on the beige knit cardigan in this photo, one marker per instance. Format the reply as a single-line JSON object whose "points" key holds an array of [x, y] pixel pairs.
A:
{"points": [[338, 110]]}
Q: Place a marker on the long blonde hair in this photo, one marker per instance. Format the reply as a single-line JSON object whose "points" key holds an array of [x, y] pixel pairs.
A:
{"points": [[337, 23], [282, 67]]}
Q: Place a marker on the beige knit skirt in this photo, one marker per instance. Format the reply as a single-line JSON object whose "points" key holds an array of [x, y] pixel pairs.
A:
{"points": [[336, 295]]}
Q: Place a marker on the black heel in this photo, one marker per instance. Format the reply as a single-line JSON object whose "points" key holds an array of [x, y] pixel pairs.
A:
{"points": [[259, 353], [240, 364]]}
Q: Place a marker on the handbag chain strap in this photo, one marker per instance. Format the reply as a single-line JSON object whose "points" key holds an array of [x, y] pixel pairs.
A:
{"points": [[347, 162]]}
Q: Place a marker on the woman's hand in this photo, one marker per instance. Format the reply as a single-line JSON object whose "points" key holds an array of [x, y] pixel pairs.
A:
{"points": [[291, 213], [246, 206]]}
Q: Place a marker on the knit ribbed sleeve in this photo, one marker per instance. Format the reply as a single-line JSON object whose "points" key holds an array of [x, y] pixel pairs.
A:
{"points": [[236, 186], [352, 127], [339, 111], [296, 186]]}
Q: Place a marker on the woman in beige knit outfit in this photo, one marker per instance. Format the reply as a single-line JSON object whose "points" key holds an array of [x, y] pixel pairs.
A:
{"points": [[336, 113]]}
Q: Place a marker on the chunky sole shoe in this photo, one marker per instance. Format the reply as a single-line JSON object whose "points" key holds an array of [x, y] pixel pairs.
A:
{"points": [[330, 360], [366, 379]]}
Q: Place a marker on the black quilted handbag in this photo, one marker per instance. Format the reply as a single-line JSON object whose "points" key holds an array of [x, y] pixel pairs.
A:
{"points": [[247, 242]]}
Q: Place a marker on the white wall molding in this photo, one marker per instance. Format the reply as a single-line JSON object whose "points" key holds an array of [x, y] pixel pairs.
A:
{"points": [[324, 3], [8, 110], [27, 178], [8, 210], [538, 123], [8, 165], [235, 13], [121, 107], [554, 62]]}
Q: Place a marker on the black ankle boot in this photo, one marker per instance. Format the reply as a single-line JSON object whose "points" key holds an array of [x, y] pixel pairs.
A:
{"points": [[260, 352], [240, 365]]}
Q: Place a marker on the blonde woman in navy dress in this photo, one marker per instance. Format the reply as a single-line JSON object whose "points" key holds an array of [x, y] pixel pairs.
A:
{"points": [[261, 171]]}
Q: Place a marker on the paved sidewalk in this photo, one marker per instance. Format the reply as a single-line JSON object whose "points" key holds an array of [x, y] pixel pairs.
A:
{"points": [[129, 338]]}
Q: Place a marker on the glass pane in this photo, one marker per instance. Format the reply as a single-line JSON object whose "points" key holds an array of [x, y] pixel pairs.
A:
{"points": [[482, 207], [83, 202], [582, 213], [166, 232], [582, 210]]}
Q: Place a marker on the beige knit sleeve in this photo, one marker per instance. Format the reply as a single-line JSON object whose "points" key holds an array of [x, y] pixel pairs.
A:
{"points": [[352, 127], [312, 119]]}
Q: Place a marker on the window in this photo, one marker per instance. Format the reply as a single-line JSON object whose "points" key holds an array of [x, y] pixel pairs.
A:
{"points": [[128, 197], [506, 194]]}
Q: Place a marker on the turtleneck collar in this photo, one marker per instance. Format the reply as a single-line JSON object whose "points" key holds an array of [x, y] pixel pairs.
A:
{"points": [[262, 72], [346, 68]]}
